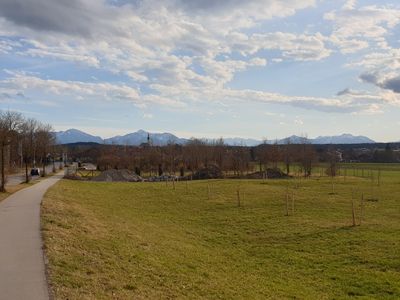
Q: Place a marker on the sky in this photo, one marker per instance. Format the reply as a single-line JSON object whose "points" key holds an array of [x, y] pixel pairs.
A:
{"points": [[204, 68]]}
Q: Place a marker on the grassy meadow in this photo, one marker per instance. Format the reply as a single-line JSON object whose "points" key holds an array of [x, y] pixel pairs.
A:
{"points": [[151, 241]]}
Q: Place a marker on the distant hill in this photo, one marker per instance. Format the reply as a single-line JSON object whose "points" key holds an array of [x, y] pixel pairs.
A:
{"points": [[343, 139], [242, 142], [71, 136], [324, 140], [294, 139], [139, 137]]}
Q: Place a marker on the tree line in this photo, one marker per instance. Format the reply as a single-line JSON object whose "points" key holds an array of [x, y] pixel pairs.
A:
{"points": [[197, 154], [24, 142], [299, 158]]}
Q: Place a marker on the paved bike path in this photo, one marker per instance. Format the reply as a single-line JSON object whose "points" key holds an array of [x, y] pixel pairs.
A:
{"points": [[22, 267]]}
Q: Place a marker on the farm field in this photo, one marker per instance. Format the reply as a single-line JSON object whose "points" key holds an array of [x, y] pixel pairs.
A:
{"points": [[151, 241]]}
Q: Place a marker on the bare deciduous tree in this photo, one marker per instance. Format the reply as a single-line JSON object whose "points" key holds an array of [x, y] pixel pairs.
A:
{"points": [[10, 123], [44, 142], [28, 134], [307, 156]]}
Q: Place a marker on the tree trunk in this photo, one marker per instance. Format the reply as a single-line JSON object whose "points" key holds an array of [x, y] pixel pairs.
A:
{"points": [[26, 172], [3, 172]]}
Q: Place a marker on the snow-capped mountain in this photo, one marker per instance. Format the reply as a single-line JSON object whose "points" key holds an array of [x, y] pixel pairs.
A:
{"points": [[75, 136], [140, 137], [324, 140], [161, 139], [343, 139], [294, 139], [242, 142]]}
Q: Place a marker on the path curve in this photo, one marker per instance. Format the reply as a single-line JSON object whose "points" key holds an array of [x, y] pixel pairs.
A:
{"points": [[22, 266]]}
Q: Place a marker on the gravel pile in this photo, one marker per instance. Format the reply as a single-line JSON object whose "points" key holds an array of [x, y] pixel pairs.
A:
{"points": [[72, 177], [210, 172], [118, 176]]}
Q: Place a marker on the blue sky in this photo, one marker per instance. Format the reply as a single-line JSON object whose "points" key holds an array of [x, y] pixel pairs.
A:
{"points": [[257, 68]]}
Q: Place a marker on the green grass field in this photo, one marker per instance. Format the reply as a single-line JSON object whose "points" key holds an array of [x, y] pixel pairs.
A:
{"points": [[149, 241]]}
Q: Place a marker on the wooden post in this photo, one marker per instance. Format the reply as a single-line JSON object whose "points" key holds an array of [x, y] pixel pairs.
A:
{"points": [[293, 203], [372, 188], [353, 213], [173, 183], [379, 177], [238, 197], [362, 208], [287, 202], [187, 188], [208, 191]]}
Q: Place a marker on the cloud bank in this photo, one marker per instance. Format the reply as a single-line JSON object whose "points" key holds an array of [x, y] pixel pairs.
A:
{"points": [[174, 52]]}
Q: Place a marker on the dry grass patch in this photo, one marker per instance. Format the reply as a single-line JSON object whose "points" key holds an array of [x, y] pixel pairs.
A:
{"points": [[148, 241]]}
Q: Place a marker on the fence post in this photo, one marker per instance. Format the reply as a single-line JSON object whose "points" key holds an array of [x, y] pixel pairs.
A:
{"points": [[353, 209]]}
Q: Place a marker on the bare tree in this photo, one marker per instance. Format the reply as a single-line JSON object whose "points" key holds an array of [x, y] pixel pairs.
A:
{"points": [[28, 135], [44, 142], [10, 123], [274, 155], [288, 155], [307, 156], [332, 158]]}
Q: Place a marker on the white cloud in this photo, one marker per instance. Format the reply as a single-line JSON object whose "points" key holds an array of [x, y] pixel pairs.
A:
{"points": [[62, 51], [356, 28], [385, 60], [136, 76], [298, 47], [46, 103], [81, 90], [134, 39], [298, 121], [147, 116], [186, 51], [5, 47], [350, 4]]}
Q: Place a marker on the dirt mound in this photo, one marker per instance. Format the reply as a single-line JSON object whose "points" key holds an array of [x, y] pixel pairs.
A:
{"points": [[118, 176], [72, 177], [210, 172], [271, 174]]}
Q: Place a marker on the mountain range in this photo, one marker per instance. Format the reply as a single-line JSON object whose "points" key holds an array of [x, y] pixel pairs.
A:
{"points": [[160, 139], [71, 136], [140, 137]]}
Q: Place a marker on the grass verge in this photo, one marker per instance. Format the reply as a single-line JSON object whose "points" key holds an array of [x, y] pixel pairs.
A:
{"points": [[150, 241]]}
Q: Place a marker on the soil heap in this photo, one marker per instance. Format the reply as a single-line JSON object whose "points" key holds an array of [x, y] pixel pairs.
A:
{"points": [[118, 176]]}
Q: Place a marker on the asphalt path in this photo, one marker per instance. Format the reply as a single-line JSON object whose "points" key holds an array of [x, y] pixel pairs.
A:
{"points": [[16, 179], [22, 264]]}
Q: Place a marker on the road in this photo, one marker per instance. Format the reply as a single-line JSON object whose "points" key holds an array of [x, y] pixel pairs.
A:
{"points": [[16, 179], [22, 266]]}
